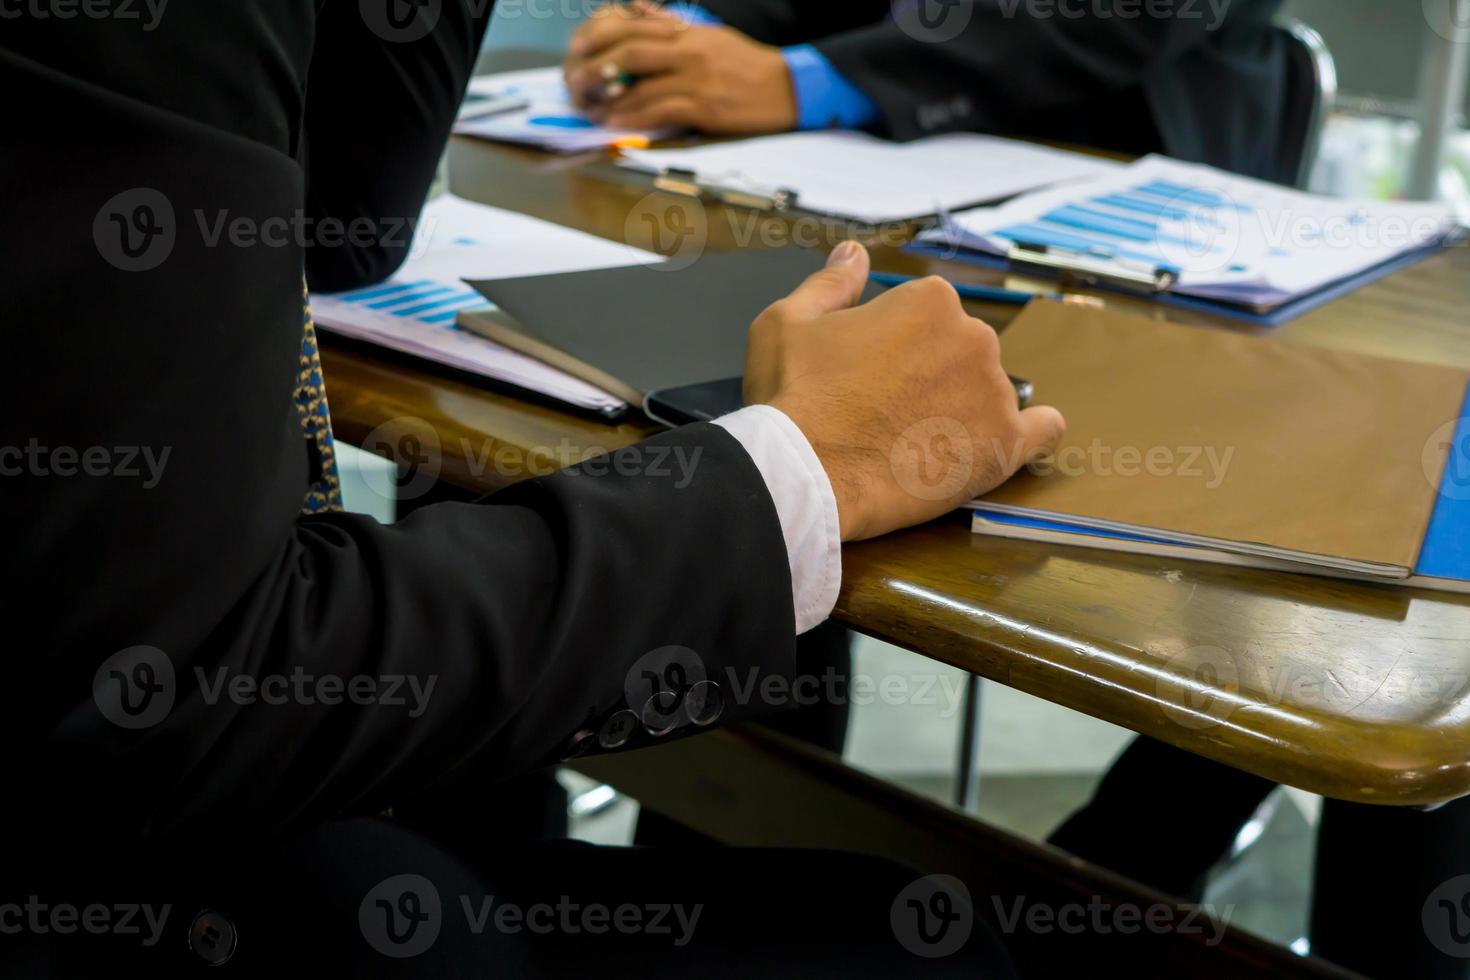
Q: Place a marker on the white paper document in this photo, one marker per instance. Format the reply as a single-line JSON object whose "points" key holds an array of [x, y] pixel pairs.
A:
{"points": [[864, 178], [414, 312], [549, 119], [1228, 238]]}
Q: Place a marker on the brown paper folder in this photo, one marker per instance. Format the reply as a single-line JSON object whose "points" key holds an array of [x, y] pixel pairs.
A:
{"points": [[1259, 447]]}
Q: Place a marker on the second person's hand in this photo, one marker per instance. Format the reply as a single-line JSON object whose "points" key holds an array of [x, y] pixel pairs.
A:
{"points": [[641, 67]]}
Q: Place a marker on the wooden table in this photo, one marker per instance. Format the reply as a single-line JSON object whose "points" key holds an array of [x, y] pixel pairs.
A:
{"points": [[1354, 691]]}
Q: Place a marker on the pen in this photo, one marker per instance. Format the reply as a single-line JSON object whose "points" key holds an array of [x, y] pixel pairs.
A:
{"points": [[1025, 390], [616, 82], [993, 294]]}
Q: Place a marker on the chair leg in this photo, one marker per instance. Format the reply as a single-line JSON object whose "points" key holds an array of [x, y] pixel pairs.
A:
{"points": [[967, 778]]}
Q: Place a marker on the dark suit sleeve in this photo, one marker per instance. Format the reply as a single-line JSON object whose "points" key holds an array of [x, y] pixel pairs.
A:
{"points": [[784, 22], [379, 109], [983, 65], [193, 654]]}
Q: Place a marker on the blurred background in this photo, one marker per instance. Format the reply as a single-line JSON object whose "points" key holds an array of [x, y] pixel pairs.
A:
{"points": [[1037, 762], [1369, 142]]}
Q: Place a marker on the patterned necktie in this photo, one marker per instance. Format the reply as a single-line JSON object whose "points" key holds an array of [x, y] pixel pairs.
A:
{"points": [[324, 491]]}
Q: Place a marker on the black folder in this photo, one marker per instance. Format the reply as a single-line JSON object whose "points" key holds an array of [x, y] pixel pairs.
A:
{"points": [[643, 329]]}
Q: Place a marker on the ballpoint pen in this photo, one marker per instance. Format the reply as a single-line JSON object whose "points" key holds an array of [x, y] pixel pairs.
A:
{"points": [[993, 294]]}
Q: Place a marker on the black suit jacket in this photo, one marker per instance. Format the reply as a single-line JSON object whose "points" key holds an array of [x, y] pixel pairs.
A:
{"points": [[1196, 89], [531, 613]]}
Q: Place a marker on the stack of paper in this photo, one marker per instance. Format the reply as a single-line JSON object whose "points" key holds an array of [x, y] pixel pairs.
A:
{"points": [[548, 121], [864, 178], [414, 312], [1230, 239]]}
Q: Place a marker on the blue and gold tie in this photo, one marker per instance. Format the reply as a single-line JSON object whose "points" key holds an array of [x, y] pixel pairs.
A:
{"points": [[324, 492]]}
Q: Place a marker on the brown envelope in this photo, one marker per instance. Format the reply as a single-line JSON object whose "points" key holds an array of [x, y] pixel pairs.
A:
{"points": [[1234, 438]]}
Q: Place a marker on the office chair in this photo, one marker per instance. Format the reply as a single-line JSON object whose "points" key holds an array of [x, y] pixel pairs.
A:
{"points": [[1311, 90]]}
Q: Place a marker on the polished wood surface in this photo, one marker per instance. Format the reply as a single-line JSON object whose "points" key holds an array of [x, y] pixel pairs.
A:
{"points": [[1353, 691]]}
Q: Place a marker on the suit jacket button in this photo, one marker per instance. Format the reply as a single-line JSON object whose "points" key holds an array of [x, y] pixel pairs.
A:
{"points": [[660, 714], [578, 745], [212, 937], [704, 703], [616, 731]]}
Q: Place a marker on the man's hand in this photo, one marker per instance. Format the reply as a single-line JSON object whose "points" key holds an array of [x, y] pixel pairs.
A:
{"points": [[904, 399], [641, 67]]}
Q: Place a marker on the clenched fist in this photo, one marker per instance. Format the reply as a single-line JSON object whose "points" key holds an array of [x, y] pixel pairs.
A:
{"points": [[638, 66], [903, 399]]}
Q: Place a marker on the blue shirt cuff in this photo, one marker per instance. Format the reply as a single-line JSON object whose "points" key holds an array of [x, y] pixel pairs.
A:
{"points": [[824, 98], [696, 15]]}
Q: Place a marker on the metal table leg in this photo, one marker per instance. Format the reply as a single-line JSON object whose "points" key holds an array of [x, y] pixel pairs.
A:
{"points": [[967, 778]]}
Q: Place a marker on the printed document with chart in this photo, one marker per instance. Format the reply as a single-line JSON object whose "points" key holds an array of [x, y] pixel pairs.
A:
{"points": [[547, 120], [1229, 239], [414, 312]]}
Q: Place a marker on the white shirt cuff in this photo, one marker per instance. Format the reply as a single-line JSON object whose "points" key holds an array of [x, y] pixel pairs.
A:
{"points": [[805, 505]]}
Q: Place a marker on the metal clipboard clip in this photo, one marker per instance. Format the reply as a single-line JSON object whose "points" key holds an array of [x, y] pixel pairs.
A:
{"points": [[689, 184], [1091, 268]]}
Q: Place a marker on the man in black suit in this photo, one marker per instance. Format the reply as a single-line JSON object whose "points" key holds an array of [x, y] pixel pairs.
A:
{"points": [[219, 679], [1200, 80]]}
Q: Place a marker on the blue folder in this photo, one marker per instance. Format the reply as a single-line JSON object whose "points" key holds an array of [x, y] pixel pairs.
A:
{"points": [[1272, 318]]}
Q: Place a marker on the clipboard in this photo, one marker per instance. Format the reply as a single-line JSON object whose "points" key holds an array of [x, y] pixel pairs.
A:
{"points": [[1272, 317]]}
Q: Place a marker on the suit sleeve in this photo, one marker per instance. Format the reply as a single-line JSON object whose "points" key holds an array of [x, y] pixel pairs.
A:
{"points": [[787, 22], [381, 101], [984, 65], [197, 655]]}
